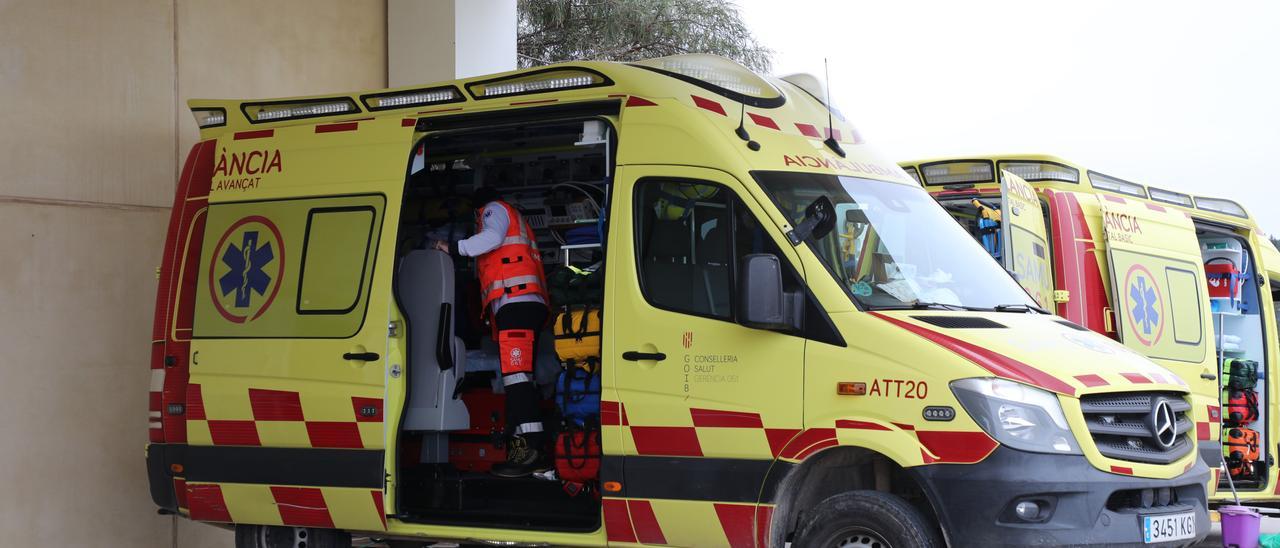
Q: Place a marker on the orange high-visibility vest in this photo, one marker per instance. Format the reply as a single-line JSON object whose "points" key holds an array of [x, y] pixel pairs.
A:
{"points": [[515, 266]]}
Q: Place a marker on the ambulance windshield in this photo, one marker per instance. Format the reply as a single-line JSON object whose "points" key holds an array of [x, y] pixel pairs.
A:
{"points": [[893, 246]]}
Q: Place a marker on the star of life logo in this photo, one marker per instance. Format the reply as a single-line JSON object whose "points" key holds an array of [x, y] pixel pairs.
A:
{"points": [[244, 276]]}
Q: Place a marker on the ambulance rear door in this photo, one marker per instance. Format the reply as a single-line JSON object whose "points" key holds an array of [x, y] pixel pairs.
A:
{"points": [[1024, 239], [1158, 288]]}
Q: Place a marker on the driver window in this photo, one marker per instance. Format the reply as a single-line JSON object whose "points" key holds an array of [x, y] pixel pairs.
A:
{"points": [[690, 236]]}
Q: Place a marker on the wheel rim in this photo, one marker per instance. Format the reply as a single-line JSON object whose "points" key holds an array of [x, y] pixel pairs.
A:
{"points": [[858, 537]]}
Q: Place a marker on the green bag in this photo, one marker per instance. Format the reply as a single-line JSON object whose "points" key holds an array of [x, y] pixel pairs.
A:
{"points": [[1240, 374], [573, 286]]}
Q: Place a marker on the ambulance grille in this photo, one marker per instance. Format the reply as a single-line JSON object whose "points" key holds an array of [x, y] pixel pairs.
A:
{"points": [[1129, 426]]}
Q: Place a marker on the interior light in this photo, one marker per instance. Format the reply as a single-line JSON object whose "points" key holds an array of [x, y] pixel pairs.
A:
{"points": [[1170, 197], [1042, 171], [1120, 186], [957, 172], [1221, 205], [209, 117], [268, 112], [555, 79], [412, 98]]}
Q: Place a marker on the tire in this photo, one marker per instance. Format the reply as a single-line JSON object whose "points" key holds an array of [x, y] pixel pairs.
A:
{"points": [[271, 536], [866, 518]]}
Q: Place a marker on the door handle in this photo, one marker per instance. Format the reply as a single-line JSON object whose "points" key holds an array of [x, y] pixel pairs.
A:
{"points": [[361, 356], [633, 356], [1209, 376]]}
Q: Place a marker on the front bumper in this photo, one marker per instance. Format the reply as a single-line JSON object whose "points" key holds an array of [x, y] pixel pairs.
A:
{"points": [[975, 502]]}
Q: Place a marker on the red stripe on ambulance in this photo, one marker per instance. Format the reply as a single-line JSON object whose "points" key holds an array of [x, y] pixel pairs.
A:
{"points": [[672, 441], [1136, 378], [206, 503], [957, 447], [617, 521], [360, 405], [647, 529], [736, 520], [763, 121], [708, 104], [725, 419], [302, 506], [340, 126], [275, 405], [228, 432], [336, 435], [255, 134], [378, 507], [998, 364], [861, 425], [1092, 380], [808, 130]]}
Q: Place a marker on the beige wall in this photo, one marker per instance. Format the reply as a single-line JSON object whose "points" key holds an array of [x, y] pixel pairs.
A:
{"points": [[93, 127]]}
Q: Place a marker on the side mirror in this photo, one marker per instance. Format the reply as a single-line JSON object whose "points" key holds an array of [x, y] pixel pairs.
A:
{"points": [[763, 303], [819, 219]]}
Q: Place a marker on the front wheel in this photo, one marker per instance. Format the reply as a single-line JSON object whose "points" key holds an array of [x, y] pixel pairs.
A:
{"points": [[866, 519], [271, 536]]}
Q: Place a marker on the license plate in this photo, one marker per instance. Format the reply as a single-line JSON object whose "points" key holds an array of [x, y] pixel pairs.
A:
{"points": [[1167, 527]]}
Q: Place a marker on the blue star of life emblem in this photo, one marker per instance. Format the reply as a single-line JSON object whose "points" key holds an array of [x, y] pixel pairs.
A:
{"points": [[1144, 307], [246, 274]]}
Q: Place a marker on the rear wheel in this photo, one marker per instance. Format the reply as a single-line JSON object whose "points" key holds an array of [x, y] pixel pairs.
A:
{"points": [[271, 536], [870, 519]]}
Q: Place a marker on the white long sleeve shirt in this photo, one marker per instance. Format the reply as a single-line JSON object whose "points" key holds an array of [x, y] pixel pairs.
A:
{"points": [[494, 223]]}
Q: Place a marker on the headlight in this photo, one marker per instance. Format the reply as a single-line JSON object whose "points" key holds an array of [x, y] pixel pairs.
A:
{"points": [[1017, 415]]}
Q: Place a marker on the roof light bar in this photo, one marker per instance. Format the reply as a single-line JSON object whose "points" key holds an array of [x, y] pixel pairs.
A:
{"points": [[1042, 171], [1119, 186], [412, 98], [294, 110], [209, 117], [913, 173], [537, 82], [1170, 197], [958, 172], [1221, 205], [719, 75]]}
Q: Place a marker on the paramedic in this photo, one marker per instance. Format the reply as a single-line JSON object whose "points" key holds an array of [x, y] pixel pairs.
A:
{"points": [[513, 291]]}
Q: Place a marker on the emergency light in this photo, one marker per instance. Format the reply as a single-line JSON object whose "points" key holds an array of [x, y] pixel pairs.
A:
{"points": [[411, 98], [1170, 197], [1119, 186], [209, 117], [958, 172], [1220, 205], [913, 173], [293, 110], [1042, 171], [537, 82], [719, 75]]}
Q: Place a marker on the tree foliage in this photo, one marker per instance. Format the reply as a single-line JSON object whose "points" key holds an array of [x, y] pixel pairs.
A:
{"points": [[551, 31]]}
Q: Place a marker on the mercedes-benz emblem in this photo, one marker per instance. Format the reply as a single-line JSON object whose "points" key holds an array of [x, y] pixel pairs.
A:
{"points": [[1163, 425]]}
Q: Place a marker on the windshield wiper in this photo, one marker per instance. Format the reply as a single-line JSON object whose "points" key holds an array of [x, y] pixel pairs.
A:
{"points": [[1019, 308], [919, 305]]}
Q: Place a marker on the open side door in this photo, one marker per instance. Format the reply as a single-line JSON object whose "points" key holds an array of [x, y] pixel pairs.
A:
{"points": [[1025, 242]]}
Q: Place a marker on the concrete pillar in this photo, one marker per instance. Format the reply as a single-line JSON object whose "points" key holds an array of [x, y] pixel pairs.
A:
{"points": [[434, 40]]}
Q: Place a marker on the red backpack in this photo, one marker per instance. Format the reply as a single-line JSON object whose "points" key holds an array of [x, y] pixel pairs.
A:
{"points": [[578, 457], [1241, 407]]}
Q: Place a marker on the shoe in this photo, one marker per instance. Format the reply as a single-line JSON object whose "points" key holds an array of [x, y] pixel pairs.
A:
{"points": [[522, 460]]}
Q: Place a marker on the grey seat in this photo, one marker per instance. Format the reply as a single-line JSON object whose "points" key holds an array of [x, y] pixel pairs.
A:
{"points": [[425, 289]]}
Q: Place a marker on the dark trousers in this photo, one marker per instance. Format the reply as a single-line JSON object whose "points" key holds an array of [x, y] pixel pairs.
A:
{"points": [[523, 414]]}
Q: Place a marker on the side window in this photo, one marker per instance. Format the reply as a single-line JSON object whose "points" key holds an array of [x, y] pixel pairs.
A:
{"points": [[689, 239], [334, 256], [287, 268]]}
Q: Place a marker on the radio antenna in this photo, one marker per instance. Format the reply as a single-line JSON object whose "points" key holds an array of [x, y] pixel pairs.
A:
{"points": [[831, 132], [741, 132]]}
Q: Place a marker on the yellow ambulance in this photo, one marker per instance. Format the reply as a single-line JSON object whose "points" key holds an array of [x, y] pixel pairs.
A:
{"points": [[799, 344], [1184, 280]]}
